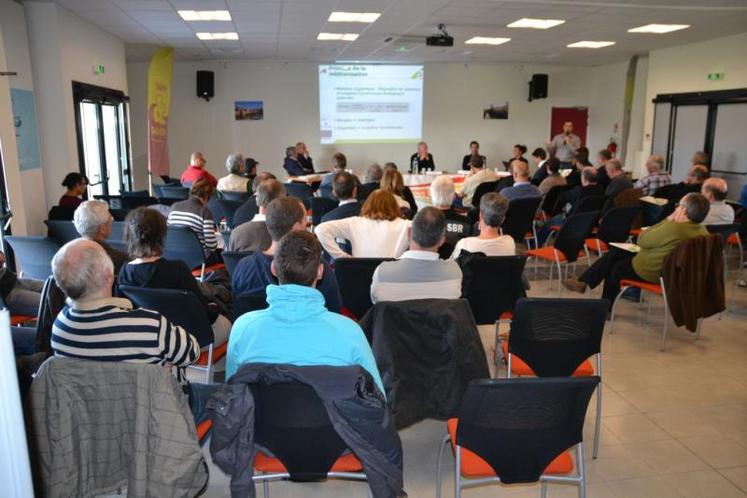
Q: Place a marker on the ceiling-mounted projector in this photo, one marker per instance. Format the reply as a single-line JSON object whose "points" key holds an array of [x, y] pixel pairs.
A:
{"points": [[442, 40]]}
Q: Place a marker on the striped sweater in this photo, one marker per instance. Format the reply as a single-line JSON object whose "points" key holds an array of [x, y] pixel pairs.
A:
{"points": [[109, 330], [198, 218]]}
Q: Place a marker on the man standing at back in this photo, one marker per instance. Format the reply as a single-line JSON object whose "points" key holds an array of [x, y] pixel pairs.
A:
{"points": [[419, 273], [296, 328], [564, 145], [522, 187], [196, 171]]}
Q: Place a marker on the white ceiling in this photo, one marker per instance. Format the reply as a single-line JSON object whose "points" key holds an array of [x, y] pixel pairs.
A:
{"points": [[286, 30]]}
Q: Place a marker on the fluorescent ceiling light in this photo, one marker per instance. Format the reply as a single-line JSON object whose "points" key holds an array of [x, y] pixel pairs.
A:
{"points": [[337, 36], [591, 44], [205, 15], [218, 36], [353, 17], [536, 23], [658, 28], [484, 40]]}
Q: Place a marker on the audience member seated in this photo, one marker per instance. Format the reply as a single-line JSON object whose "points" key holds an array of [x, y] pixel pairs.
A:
{"points": [[701, 158], [406, 192], [655, 243], [522, 187], [304, 157], [603, 157], [617, 180], [419, 273], [474, 150], [569, 199], [379, 232], [196, 171], [96, 326], [20, 295], [696, 175], [371, 181], [517, 154], [422, 160], [344, 189], [297, 328], [194, 214], [93, 221], [442, 197], [553, 178], [578, 163], [393, 183], [493, 208], [145, 235], [478, 174], [234, 181], [656, 177], [720, 213], [339, 163], [539, 156], [253, 273], [76, 185], [292, 165], [253, 236], [249, 209]]}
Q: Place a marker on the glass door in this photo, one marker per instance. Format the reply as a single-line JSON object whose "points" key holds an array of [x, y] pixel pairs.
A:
{"points": [[103, 139]]}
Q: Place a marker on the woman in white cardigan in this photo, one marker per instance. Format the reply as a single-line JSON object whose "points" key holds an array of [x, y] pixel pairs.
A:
{"points": [[379, 232]]}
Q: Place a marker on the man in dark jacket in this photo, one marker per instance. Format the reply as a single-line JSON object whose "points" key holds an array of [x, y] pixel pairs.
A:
{"points": [[618, 181], [344, 189], [292, 165]]}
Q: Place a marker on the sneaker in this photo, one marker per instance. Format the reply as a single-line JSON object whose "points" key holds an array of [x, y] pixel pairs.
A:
{"points": [[575, 285]]}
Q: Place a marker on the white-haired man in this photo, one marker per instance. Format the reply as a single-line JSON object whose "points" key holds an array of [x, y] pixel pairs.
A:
{"points": [[93, 221]]}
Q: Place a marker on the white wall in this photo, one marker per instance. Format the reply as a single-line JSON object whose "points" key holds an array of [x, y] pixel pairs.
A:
{"points": [[64, 48], [454, 96]]}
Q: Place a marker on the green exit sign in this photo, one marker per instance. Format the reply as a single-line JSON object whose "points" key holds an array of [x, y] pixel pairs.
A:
{"points": [[715, 76], [98, 69]]}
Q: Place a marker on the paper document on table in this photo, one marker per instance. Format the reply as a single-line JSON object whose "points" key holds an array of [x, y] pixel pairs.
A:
{"points": [[626, 246], [654, 200]]}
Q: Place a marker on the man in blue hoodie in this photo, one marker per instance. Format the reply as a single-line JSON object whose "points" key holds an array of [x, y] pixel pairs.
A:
{"points": [[297, 328]]}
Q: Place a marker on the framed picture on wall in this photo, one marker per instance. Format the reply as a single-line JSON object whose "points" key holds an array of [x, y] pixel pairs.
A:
{"points": [[496, 111], [249, 110]]}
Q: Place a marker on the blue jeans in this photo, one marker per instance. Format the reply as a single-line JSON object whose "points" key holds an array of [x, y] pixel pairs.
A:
{"points": [[24, 340], [544, 232], [198, 398], [25, 297]]}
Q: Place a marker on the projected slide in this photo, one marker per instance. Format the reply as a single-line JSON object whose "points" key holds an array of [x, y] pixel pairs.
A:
{"points": [[370, 103]]}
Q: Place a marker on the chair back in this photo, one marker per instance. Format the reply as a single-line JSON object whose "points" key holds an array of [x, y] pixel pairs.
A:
{"points": [[183, 244], [492, 285], [321, 206], [292, 423], [245, 212], [519, 426], [326, 191], [180, 307], [51, 303], [455, 230], [116, 239], [589, 203], [244, 303], [573, 233], [231, 259], [550, 201], [301, 191], [354, 276], [616, 224], [62, 213], [174, 192], [481, 190], [61, 232], [137, 198], [554, 336], [724, 230], [157, 187], [235, 196], [33, 255], [365, 189], [216, 209], [229, 209], [520, 217]]}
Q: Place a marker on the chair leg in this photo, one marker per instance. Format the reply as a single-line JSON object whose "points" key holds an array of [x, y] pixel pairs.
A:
{"points": [[560, 284], [458, 472], [266, 489], [598, 417], [439, 463], [497, 353], [697, 329], [543, 489], [508, 366], [614, 306], [209, 371], [202, 272], [666, 315], [581, 470]]}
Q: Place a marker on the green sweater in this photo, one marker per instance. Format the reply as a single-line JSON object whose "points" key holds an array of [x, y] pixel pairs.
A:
{"points": [[657, 242]]}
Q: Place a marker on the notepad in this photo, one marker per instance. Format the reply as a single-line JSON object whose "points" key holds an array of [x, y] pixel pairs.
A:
{"points": [[657, 201], [626, 246]]}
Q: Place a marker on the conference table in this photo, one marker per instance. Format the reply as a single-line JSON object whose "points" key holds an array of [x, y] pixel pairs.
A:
{"points": [[421, 184]]}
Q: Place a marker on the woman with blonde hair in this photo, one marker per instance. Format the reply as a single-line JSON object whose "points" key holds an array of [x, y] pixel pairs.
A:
{"points": [[392, 182], [379, 231]]}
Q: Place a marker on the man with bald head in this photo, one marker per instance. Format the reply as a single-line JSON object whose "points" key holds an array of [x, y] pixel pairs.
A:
{"points": [[196, 171], [715, 190], [522, 187], [96, 326]]}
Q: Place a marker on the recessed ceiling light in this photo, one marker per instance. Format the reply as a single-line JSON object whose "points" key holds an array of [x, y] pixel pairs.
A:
{"points": [[484, 40], [218, 36], [353, 17], [536, 23], [205, 15], [337, 36], [591, 44], [658, 28]]}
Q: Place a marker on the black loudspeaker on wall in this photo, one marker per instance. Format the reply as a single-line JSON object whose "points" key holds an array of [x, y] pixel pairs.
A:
{"points": [[538, 87], [205, 84]]}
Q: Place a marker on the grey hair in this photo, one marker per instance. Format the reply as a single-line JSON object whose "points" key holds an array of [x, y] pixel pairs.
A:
{"points": [[290, 150], [78, 268], [442, 191], [493, 208], [657, 160], [696, 206], [234, 163], [90, 216], [615, 164], [428, 226], [373, 173]]}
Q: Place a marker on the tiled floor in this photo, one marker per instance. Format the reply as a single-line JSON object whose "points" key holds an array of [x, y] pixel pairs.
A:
{"points": [[674, 424]]}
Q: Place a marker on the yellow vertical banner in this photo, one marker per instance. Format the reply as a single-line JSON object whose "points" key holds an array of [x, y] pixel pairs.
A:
{"points": [[159, 104]]}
